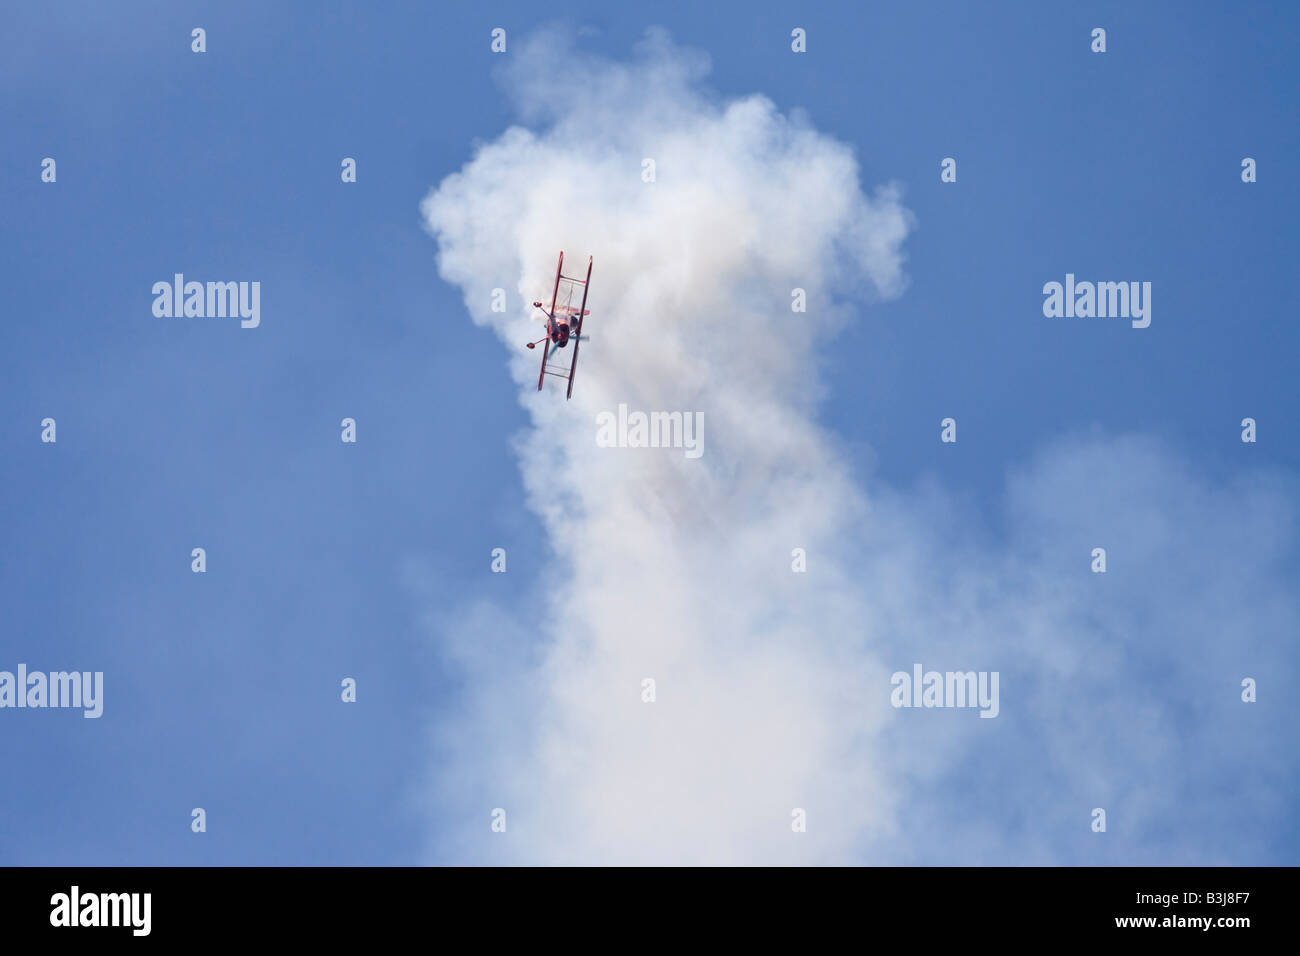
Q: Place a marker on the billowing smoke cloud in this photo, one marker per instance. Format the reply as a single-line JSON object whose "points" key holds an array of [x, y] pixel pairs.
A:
{"points": [[772, 687]]}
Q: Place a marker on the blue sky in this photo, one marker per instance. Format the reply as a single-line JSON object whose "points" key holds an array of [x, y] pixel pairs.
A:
{"points": [[328, 560]]}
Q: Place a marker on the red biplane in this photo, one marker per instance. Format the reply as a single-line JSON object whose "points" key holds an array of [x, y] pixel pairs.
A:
{"points": [[563, 322]]}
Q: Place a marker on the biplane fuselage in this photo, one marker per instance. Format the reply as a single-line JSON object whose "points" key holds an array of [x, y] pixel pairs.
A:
{"points": [[558, 330]]}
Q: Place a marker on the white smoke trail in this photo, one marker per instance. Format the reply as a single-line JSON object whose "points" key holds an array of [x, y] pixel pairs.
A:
{"points": [[681, 569], [773, 687]]}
